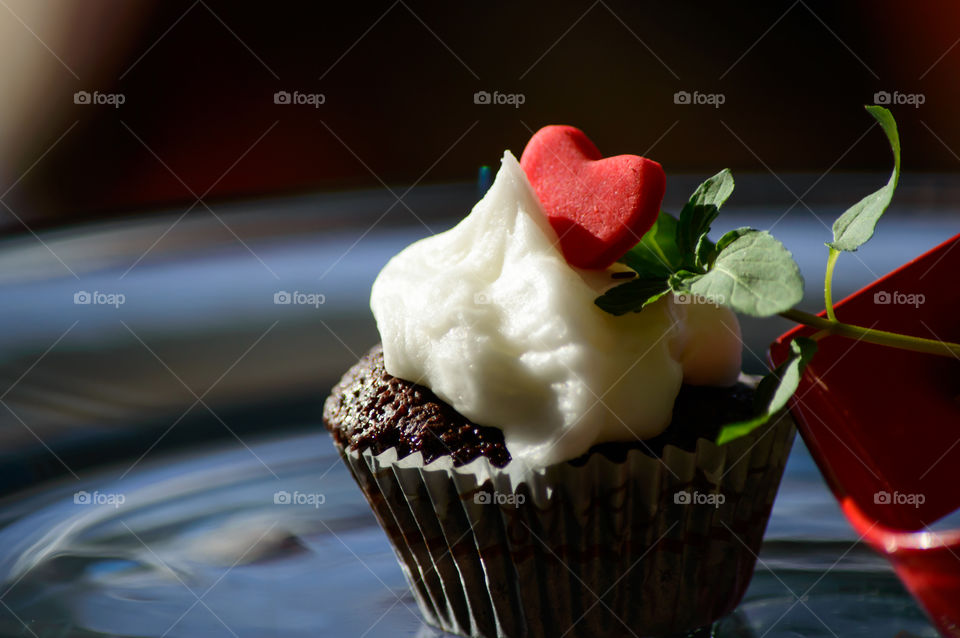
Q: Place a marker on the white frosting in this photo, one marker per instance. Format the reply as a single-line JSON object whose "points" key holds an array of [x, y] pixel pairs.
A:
{"points": [[490, 316]]}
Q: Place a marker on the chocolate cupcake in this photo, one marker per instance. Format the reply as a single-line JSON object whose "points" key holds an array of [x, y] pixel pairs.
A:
{"points": [[664, 531], [543, 467]]}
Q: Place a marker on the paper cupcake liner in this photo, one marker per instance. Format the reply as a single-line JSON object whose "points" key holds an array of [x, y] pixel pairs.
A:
{"points": [[645, 546]]}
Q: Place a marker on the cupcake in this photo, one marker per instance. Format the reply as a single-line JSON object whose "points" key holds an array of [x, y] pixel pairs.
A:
{"points": [[541, 466]]}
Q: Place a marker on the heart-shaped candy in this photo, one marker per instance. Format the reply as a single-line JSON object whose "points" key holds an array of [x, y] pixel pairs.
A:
{"points": [[598, 207]]}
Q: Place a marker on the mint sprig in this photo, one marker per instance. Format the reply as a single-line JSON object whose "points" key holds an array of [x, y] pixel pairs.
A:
{"points": [[752, 273], [747, 270], [857, 225]]}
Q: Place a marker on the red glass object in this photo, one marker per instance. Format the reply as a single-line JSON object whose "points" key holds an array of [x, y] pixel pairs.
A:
{"points": [[883, 425]]}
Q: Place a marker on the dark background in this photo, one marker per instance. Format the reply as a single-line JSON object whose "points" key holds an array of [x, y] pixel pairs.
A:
{"points": [[398, 80]]}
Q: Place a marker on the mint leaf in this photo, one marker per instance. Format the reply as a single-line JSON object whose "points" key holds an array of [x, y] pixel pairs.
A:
{"points": [[731, 236], [657, 253], [753, 274], [702, 208], [678, 280], [857, 225], [706, 252], [774, 390], [654, 259], [632, 296]]}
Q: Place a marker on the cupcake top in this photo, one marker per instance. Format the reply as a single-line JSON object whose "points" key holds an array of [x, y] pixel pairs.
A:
{"points": [[493, 319]]}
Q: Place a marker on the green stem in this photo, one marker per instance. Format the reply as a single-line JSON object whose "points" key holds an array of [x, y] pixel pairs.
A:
{"points": [[882, 337], [828, 283]]}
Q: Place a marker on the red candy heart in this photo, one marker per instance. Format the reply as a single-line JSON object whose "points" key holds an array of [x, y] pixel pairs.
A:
{"points": [[598, 207]]}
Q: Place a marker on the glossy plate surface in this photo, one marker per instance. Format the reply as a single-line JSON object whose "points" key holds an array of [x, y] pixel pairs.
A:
{"points": [[277, 540]]}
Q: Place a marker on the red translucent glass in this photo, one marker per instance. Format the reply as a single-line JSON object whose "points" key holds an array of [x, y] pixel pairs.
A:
{"points": [[883, 425]]}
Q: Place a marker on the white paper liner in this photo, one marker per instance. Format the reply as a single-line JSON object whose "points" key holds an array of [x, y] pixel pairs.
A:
{"points": [[604, 530]]}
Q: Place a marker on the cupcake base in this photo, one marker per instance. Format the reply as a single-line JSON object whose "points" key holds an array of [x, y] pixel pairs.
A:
{"points": [[644, 546]]}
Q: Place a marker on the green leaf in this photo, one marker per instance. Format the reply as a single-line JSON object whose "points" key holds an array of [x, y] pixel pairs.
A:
{"points": [[753, 274], [654, 259], [857, 225], [632, 296], [731, 236], [702, 208], [706, 252], [678, 280], [774, 390], [657, 253]]}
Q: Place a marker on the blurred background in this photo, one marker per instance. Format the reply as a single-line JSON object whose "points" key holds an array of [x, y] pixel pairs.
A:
{"points": [[196, 84], [196, 196]]}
